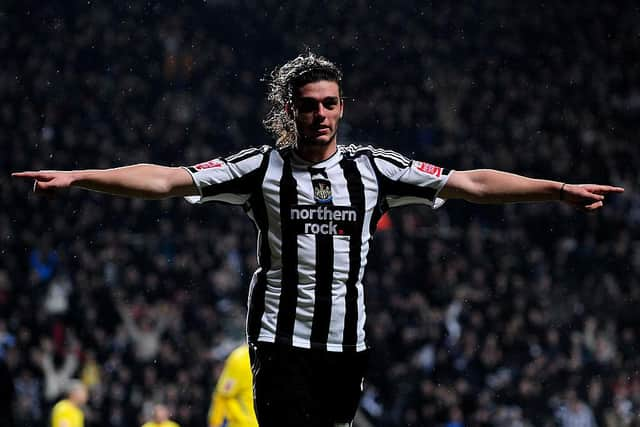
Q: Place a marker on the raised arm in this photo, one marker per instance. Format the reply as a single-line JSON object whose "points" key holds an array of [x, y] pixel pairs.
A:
{"points": [[144, 181], [491, 186]]}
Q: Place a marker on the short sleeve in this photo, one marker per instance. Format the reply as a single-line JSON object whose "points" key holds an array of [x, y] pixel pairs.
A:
{"points": [[229, 179], [405, 181]]}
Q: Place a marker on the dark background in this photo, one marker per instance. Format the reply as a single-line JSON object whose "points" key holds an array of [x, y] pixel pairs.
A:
{"points": [[478, 315]]}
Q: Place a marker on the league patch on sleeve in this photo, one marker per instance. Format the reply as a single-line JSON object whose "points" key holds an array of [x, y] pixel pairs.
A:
{"points": [[208, 165], [428, 168]]}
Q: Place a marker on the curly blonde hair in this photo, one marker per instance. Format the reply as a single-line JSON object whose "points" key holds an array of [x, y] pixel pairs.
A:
{"points": [[283, 83]]}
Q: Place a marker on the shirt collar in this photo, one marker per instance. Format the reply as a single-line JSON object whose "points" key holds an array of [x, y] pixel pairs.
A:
{"points": [[299, 162]]}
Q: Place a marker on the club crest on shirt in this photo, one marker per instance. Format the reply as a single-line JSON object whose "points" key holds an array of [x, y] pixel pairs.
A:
{"points": [[322, 191]]}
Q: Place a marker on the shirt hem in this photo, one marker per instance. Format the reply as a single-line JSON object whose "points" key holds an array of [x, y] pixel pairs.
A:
{"points": [[330, 347]]}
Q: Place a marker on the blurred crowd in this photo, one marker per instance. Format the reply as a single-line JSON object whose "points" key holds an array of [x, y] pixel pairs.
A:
{"points": [[522, 315]]}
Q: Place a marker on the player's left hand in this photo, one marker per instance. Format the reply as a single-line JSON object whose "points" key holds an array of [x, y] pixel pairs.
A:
{"points": [[587, 197]]}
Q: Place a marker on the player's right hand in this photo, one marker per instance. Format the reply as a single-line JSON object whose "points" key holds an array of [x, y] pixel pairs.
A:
{"points": [[46, 182]]}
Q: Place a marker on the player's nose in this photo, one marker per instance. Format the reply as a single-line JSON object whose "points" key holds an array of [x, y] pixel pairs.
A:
{"points": [[321, 111]]}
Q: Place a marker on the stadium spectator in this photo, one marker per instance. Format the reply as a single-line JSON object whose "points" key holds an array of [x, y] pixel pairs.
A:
{"points": [[56, 378], [69, 412], [144, 333], [232, 399], [160, 417], [29, 406], [575, 413]]}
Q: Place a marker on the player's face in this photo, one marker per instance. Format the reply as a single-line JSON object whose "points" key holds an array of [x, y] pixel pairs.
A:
{"points": [[319, 110]]}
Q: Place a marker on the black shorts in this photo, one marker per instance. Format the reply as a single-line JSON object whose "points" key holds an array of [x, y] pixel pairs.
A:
{"points": [[299, 387]]}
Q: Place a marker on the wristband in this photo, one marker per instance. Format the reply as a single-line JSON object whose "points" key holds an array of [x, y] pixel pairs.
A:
{"points": [[562, 190]]}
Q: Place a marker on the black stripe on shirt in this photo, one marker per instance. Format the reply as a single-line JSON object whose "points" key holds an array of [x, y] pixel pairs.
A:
{"points": [[322, 291], [381, 204], [323, 300], [245, 184], [402, 189], [289, 285], [356, 196], [256, 299]]}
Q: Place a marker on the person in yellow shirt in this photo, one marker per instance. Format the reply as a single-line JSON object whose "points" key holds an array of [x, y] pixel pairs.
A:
{"points": [[232, 400], [68, 412], [160, 418]]}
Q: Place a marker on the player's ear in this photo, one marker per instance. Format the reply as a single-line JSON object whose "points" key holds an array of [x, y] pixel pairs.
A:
{"points": [[341, 107]]}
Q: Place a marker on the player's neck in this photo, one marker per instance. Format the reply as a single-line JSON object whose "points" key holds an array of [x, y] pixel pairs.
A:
{"points": [[317, 153]]}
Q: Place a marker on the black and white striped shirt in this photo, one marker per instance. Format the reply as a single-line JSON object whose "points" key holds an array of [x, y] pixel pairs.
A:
{"points": [[315, 222]]}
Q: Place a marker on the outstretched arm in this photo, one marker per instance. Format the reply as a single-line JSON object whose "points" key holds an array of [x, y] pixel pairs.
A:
{"points": [[142, 181], [491, 186]]}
